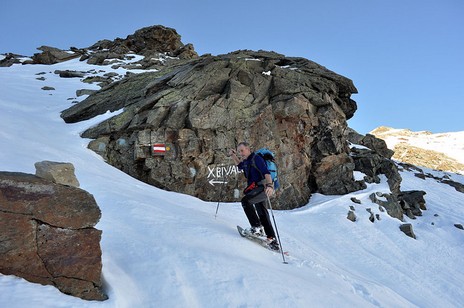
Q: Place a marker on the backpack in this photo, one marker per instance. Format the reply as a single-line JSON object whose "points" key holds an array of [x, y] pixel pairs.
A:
{"points": [[269, 158]]}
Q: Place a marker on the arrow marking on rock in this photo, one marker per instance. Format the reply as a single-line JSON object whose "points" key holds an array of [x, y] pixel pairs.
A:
{"points": [[212, 182]]}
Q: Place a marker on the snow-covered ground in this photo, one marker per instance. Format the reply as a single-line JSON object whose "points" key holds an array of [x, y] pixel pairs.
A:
{"points": [[162, 249]]}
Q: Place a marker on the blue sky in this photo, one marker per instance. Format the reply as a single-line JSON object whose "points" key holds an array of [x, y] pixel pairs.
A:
{"points": [[404, 56]]}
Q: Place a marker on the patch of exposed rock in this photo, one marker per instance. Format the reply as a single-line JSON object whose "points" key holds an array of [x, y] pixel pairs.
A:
{"points": [[47, 235], [204, 107], [441, 151], [427, 158], [423, 175]]}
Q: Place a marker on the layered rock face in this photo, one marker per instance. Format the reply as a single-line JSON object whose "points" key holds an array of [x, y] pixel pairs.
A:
{"points": [[202, 108], [47, 235]]}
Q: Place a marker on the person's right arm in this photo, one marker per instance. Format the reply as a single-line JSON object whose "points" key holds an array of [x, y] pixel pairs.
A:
{"points": [[233, 154]]}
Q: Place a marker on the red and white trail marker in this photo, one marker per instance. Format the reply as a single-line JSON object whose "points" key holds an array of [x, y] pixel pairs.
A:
{"points": [[160, 149]]}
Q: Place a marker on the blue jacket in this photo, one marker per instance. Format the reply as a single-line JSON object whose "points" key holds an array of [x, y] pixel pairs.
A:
{"points": [[251, 173]]}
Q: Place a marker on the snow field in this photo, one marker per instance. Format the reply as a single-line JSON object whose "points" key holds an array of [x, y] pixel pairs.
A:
{"points": [[162, 249]]}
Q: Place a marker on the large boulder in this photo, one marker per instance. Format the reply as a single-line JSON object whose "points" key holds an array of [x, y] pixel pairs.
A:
{"points": [[200, 109], [47, 235], [61, 173]]}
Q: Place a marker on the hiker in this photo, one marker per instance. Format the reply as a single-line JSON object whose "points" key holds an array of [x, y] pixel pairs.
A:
{"points": [[260, 187]]}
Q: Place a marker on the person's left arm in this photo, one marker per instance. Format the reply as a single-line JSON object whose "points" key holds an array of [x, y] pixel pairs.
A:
{"points": [[261, 165]]}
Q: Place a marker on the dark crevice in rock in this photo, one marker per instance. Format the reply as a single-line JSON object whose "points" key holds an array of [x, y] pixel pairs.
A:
{"points": [[17, 213], [37, 241]]}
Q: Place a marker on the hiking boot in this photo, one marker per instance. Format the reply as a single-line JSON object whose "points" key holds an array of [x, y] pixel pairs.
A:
{"points": [[256, 231], [274, 245]]}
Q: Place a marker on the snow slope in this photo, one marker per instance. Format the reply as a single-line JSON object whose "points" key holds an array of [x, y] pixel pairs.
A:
{"points": [[163, 249]]}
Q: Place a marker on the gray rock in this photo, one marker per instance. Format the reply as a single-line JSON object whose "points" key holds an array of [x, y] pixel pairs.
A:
{"points": [[459, 226], [413, 201], [373, 164], [82, 92], [351, 216], [52, 55], [10, 59], [334, 175], [391, 205], [458, 186], [376, 144], [371, 217], [69, 74], [422, 175], [58, 172], [355, 200], [407, 229]]}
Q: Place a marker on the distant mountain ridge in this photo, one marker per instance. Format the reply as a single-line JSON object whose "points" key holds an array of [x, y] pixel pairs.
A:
{"points": [[440, 151]]}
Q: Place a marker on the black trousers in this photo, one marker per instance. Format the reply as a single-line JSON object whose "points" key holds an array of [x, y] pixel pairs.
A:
{"points": [[256, 212]]}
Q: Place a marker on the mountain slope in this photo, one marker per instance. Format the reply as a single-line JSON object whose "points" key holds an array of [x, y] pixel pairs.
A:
{"points": [[444, 151], [162, 249]]}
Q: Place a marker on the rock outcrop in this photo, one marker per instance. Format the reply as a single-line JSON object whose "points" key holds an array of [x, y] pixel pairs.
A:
{"points": [[146, 41], [159, 46], [10, 59], [202, 108], [423, 175], [52, 55], [372, 157], [372, 164], [370, 141], [47, 235]]}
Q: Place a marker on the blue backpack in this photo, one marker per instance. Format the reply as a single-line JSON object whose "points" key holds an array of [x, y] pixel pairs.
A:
{"points": [[269, 158]]}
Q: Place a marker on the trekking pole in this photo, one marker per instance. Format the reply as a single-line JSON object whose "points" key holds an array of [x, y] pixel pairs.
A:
{"points": [[217, 209], [277, 231], [220, 197]]}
